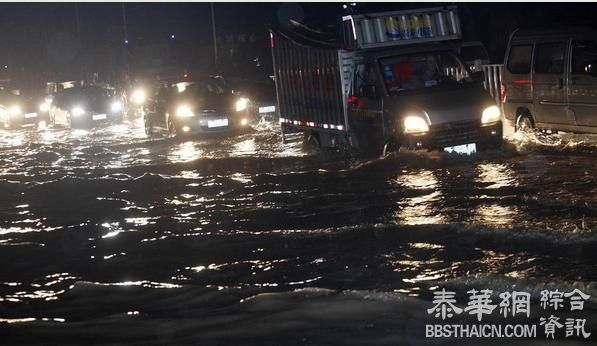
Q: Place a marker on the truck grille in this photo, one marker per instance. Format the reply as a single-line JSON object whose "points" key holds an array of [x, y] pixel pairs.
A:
{"points": [[455, 133]]}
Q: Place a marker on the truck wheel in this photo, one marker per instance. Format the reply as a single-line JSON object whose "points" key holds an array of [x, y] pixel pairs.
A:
{"points": [[524, 123], [311, 141]]}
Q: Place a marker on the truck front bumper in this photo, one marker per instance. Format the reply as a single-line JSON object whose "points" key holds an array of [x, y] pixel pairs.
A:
{"points": [[452, 134]]}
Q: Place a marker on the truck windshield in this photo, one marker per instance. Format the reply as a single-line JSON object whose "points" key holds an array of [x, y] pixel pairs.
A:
{"points": [[419, 71]]}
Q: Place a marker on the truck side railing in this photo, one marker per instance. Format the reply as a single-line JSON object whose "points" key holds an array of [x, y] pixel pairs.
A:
{"points": [[493, 80]]}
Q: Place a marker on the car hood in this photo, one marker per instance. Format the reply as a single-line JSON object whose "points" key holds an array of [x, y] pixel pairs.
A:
{"points": [[92, 105], [444, 105], [215, 103]]}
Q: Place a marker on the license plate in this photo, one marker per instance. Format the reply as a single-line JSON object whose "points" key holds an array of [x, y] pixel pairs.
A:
{"points": [[269, 109], [31, 115], [99, 117], [217, 123], [465, 149]]}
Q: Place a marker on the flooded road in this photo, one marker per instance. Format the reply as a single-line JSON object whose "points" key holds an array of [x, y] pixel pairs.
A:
{"points": [[107, 236]]}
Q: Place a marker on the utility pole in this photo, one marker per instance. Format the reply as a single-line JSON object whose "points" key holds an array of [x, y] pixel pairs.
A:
{"points": [[77, 23], [213, 27], [126, 34]]}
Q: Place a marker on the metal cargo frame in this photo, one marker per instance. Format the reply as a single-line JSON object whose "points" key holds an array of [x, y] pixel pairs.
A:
{"points": [[312, 84]]}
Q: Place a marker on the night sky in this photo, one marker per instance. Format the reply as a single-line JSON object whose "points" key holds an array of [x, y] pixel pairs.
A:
{"points": [[67, 40]]}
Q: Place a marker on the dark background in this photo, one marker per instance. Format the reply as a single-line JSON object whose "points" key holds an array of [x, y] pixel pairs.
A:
{"points": [[60, 41]]}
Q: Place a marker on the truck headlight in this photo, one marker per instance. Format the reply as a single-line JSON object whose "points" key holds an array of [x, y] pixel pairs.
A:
{"points": [[116, 106], [14, 110], [415, 124], [78, 111], [490, 115], [242, 104], [184, 111], [139, 97]]}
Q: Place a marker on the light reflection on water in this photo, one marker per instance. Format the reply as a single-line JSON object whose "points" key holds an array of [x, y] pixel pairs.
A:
{"points": [[495, 214], [184, 152], [246, 147], [499, 175], [422, 209]]}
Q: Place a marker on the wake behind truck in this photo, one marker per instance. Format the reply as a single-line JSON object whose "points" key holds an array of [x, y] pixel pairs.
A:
{"points": [[393, 80]]}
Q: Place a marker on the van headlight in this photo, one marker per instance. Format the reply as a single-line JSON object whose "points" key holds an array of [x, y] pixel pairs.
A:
{"points": [[415, 124], [184, 111], [491, 115], [139, 97], [14, 110], [242, 104], [78, 111], [116, 106]]}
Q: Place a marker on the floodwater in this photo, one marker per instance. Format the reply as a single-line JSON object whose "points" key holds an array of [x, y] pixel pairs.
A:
{"points": [[107, 236]]}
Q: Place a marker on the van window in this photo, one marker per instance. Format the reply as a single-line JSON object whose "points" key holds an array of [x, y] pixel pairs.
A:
{"points": [[520, 59], [583, 54], [550, 58]]}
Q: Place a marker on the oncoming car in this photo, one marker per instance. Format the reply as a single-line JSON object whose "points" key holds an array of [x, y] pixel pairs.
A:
{"points": [[85, 106], [18, 110], [205, 106]]}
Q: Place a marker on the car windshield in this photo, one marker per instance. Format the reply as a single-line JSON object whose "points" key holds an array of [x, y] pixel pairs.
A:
{"points": [[203, 89], [90, 93], [419, 71]]}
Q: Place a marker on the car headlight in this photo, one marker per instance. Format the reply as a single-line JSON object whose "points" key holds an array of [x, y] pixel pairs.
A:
{"points": [[78, 111], [116, 106], [14, 110], [242, 104], [184, 111], [415, 124], [490, 115], [44, 107], [139, 97]]}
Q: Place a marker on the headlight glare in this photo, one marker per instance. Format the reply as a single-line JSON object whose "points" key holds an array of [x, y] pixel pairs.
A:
{"points": [[15, 110], [139, 97], [242, 104], [490, 115], [78, 111], [44, 107], [184, 111], [415, 124], [116, 106]]}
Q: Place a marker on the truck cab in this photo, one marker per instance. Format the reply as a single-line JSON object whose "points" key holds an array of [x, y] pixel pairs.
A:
{"points": [[373, 92], [424, 97]]}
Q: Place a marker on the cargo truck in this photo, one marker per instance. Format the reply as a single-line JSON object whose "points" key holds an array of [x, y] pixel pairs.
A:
{"points": [[392, 80]]}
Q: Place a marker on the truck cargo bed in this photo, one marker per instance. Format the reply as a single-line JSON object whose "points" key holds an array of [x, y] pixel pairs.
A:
{"points": [[309, 84]]}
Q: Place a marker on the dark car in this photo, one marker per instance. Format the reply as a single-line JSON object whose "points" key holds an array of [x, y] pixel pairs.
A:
{"points": [[204, 106], [261, 95], [86, 106], [18, 110], [550, 80]]}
